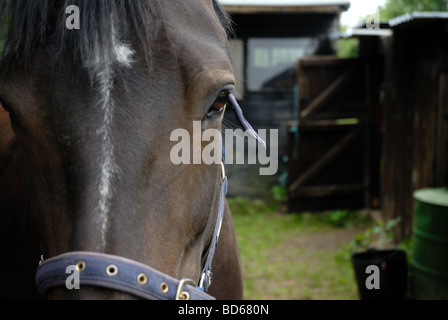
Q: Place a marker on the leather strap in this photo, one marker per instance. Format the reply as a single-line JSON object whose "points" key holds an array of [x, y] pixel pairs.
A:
{"points": [[116, 273], [206, 274]]}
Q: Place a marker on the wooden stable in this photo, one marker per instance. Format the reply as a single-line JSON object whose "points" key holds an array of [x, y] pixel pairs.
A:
{"points": [[363, 132], [271, 36], [394, 139], [415, 148], [397, 90]]}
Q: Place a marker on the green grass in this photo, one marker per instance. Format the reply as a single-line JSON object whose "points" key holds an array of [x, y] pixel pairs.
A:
{"points": [[295, 256]]}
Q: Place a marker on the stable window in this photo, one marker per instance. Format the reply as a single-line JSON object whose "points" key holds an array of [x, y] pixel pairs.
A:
{"points": [[272, 62]]}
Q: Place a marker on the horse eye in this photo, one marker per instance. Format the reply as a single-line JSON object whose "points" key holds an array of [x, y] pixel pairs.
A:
{"points": [[220, 102]]}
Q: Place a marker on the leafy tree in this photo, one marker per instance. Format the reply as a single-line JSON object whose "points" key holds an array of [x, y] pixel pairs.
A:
{"points": [[394, 8], [348, 48]]}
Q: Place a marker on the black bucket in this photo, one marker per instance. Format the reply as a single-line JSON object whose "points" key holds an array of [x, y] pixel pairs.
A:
{"points": [[392, 272]]}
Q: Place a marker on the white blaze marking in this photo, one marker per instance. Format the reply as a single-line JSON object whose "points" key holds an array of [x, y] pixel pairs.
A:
{"points": [[123, 56], [108, 166]]}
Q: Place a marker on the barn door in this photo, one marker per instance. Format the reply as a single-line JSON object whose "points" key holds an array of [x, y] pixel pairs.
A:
{"points": [[331, 156]]}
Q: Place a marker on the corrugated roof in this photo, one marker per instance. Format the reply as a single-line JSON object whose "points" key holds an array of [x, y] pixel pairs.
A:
{"points": [[284, 5], [421, 16], [285, 2], [356, 33]]}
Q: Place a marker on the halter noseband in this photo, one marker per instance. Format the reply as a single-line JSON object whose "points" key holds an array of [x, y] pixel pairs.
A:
{"points": [[116, 273], [128, 276]]}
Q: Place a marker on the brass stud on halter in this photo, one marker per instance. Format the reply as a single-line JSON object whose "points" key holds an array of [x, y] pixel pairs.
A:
{"points": [[80, 266], [142, 279], [164, 288], [112, 270]]}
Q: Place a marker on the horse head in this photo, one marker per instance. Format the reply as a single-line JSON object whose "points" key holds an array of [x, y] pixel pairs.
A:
{"points": [[93, 109]]}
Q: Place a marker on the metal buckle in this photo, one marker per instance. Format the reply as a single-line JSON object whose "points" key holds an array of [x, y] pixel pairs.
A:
{"points": [[209, 277], [223, 171], [180, 293]]}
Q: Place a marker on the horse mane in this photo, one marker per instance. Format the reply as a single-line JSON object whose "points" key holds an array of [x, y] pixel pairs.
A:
{"points": [[29, 24]]}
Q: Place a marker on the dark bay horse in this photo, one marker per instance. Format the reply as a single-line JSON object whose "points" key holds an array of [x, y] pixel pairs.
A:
{"points": [[85, 141]]}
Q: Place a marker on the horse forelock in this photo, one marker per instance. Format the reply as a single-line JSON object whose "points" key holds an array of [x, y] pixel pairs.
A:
{"points": [[104, 24], [29, 25]]}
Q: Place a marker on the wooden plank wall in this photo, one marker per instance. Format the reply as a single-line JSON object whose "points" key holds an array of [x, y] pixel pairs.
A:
{"points": [[415, 136], [334, 161]]}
